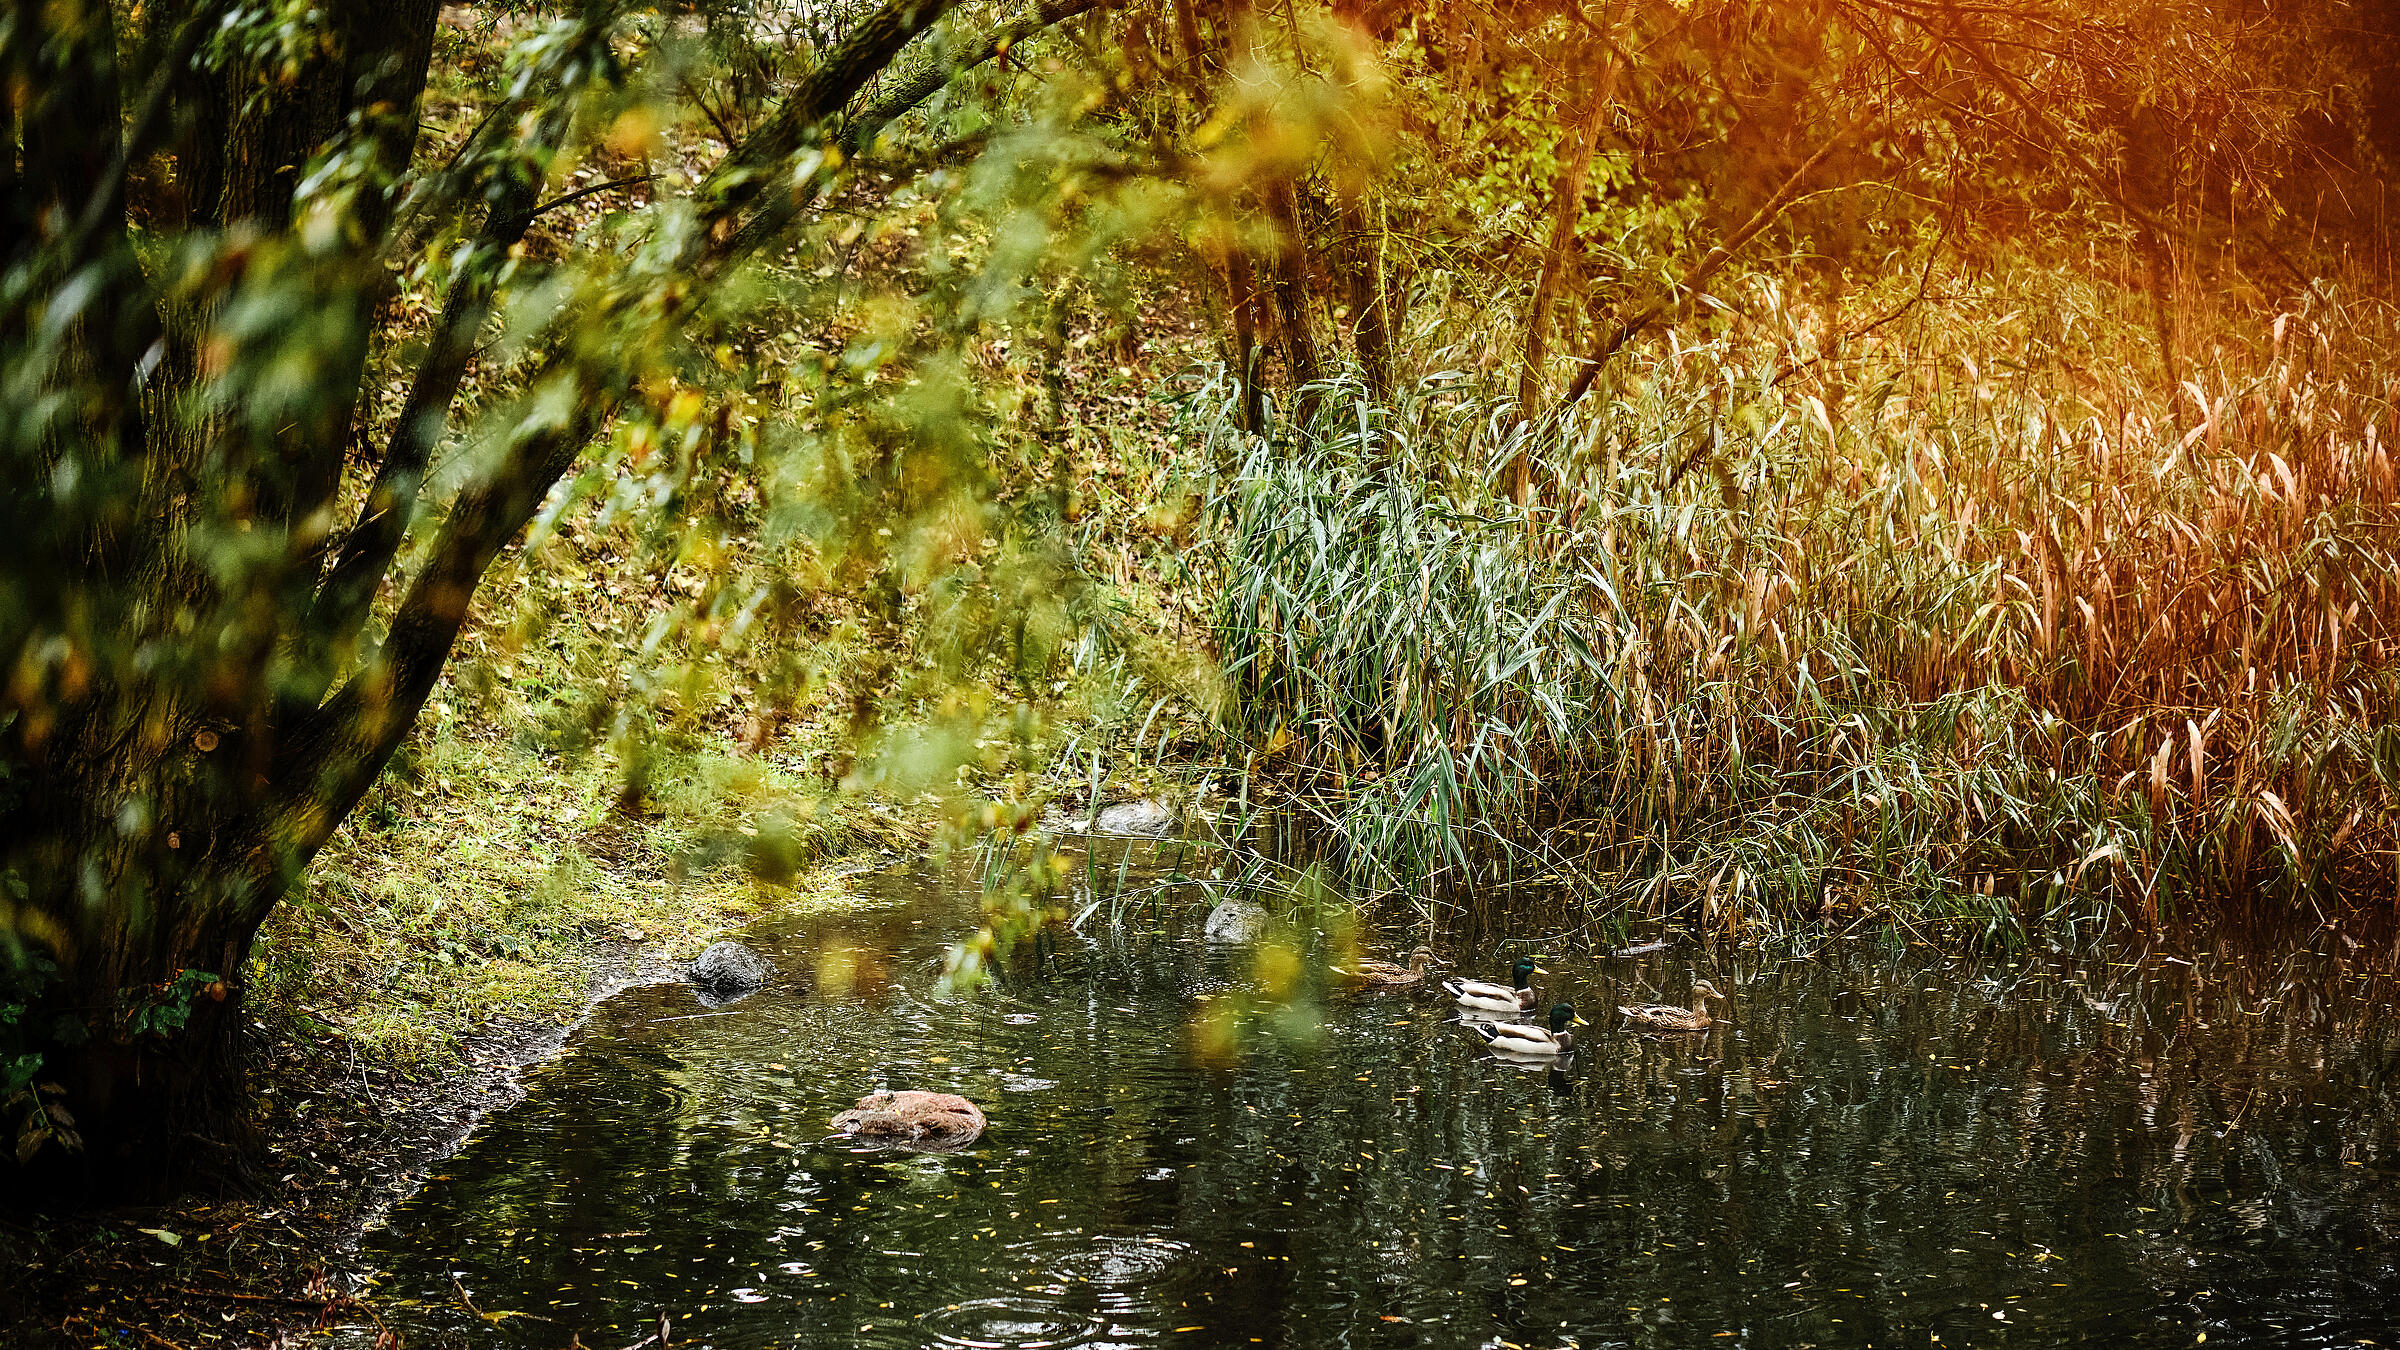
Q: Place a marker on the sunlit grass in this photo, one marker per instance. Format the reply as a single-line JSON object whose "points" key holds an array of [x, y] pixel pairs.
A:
{"points": [[1950, 622]]}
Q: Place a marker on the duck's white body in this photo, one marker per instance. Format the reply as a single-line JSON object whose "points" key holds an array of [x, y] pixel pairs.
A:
{"points": [[1518, 1038], [1488, 997]]}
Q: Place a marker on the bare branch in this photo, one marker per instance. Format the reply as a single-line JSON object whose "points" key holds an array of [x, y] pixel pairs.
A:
{"points": [[1708, 266], [556, 202]]}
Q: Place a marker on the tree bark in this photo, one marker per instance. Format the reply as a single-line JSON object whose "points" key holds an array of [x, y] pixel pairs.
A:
{"points": [[1289, 280], [1565, 212], [1370, 310], [1241, 288], [1361, 255], [1187, 28], [2159, 264]]}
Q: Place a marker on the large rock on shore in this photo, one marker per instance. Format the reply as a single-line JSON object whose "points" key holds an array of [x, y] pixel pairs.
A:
{"points": [[727, 971], [936, 1120]]}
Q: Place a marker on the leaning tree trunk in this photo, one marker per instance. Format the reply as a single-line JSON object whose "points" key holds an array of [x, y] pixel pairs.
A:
{"points": [[144, 765], [193, 709], [1241, 288], [1370, 308]]}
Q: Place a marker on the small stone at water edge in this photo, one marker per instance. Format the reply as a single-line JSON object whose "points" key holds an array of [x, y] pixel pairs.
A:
{"points": [[728, 970], [1137, 817], [1236, 921]]}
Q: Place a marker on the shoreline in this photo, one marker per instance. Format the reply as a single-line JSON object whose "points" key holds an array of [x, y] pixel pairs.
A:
{"points": [[271, 1258]]}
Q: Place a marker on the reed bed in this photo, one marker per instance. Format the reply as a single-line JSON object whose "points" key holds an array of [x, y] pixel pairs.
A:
{"points": [[1803, 621]]}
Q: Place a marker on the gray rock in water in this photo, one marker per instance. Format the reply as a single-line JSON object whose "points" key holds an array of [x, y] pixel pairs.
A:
{"points": [[727, 971], [1236, 921], [1146, 816]]}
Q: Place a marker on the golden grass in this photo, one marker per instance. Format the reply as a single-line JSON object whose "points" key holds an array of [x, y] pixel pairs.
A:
{"points": [[1958, 617]]}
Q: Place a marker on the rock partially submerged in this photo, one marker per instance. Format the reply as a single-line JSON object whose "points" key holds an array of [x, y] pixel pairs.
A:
{"points": [[1236, 921], [727, 971], [1146, 817], [1143, 818], [914, 1119]]}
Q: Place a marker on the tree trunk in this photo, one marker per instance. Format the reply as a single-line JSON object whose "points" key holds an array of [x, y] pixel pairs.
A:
{"points": [[1241, 295], [154, 810], [1187, 29], [139, 840], [1565, 213], [2160, 267], [2149, 181], [1289, 279], [1370, 311], [1362, 241]]}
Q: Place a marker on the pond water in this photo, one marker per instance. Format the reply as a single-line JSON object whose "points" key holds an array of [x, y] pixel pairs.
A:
{"points": [[1879, 1145]]}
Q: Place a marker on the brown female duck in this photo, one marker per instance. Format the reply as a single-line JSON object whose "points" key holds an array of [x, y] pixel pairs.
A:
{"points": [[1668, 1017], [1385, 973]]}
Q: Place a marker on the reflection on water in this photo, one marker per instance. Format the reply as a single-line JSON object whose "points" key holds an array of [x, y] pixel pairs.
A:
{"points": [[1877, 1146]]}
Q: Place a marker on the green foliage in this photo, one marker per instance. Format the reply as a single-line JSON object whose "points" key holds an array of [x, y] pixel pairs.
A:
{"points": [[164, 1012], [608, 285]]}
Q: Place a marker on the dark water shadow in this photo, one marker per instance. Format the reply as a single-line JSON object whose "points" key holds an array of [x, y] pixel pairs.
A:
{"points": [[1880, 1143]]}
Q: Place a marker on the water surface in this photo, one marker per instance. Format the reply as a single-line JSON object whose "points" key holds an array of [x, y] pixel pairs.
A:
{"points": [[1882, 1145]]}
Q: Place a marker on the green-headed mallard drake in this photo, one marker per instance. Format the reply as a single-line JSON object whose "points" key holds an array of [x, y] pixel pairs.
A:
{"points": [[1384, 972], [1497, 997], [1516, 1038], [1668, 1017]]}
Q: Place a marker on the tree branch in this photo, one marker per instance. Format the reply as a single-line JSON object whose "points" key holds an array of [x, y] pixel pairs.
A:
{"points": [[743, 174], [858, 136], [367, 551], [859, 133], [334, 753], [1956, 36], [1692, 281], [569, 199]]}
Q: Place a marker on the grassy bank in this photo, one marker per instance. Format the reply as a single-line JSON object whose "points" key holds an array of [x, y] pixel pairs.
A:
{"points": [[652, 735]]}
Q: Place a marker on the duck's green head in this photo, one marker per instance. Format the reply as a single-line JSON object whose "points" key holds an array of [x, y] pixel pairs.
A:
{"points": [[1526, 970], [1562, 1016]]}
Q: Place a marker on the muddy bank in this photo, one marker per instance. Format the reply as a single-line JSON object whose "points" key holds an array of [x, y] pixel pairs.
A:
{"points": [[263, 1258]]}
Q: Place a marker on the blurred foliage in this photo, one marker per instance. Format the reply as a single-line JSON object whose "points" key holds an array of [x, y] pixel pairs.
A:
{"points": [[639, 289]]}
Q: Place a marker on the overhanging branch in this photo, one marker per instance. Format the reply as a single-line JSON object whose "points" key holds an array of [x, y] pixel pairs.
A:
{"points": [[858, 136], [335, 752], [859, 133], [744, 173], [367, 551], [1631, 326]]}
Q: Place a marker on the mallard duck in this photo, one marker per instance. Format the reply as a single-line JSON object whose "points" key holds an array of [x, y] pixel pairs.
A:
{"points": [[1668, 1017], [1497, 997], [1516, 1038], [1384, 972]]}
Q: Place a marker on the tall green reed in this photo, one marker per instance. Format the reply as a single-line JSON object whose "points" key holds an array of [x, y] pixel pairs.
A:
{"points": [[1989, 638]]}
